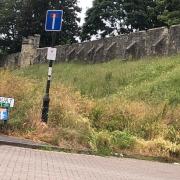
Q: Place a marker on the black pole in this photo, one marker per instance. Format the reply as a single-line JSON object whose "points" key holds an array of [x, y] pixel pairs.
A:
{"points": [[46, 99]]}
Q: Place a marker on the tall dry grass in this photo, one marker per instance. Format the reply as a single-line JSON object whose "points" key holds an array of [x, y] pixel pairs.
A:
{"points": [[100, 107]]}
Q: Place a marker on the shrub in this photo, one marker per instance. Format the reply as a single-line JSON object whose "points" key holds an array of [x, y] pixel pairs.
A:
{"points": [[150, 128], [103, 143], [173, 135], [96, 116], [111, 118], [122, 140]]}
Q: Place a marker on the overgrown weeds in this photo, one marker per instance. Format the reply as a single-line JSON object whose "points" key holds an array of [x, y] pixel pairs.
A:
{"points": [[113, 107]]}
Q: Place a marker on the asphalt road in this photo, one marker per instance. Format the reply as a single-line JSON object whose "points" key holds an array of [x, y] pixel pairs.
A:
{"points": [[22, 163]]}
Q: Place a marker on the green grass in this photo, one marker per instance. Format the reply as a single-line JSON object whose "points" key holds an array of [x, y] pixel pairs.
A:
{"points": [[151, 80], [113, 107]]}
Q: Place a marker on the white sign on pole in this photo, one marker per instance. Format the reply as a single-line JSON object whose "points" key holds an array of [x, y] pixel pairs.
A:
{"points": [[51, 54]]}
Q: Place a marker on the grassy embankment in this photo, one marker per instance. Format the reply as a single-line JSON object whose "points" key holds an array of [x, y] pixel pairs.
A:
{"points": [[115, 107]]}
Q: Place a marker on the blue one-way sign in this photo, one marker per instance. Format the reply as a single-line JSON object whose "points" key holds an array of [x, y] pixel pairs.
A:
{"points": [[54, 20]]}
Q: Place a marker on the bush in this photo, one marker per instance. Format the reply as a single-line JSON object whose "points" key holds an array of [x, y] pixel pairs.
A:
{"points": [[96, 116], [111, 118], [173, 135], [122, 140], [150, 128], [103, 143]]}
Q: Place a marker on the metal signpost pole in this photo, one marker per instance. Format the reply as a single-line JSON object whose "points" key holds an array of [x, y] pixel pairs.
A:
{"points": [[53, 24], [46, 98]]}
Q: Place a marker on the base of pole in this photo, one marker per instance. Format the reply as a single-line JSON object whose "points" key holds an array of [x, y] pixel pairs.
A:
{"points": [[45, 108]]}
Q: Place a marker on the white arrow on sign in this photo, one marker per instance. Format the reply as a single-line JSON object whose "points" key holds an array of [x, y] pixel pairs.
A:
{"points": [[54, 20]]}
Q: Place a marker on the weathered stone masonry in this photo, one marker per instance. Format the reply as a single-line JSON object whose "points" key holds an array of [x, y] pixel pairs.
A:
{"points": [[24, 58], [159, 41]]}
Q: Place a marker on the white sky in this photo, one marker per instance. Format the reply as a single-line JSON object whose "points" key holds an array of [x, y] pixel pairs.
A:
{"points": [[84, 4]]}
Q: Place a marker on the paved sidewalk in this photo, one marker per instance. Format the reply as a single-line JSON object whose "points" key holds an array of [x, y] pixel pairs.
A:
{"points": [[20, 142], [29, 164]]}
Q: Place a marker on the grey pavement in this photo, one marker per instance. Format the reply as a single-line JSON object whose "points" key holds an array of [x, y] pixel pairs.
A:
{"points": [[29, 164], [20, 142]]}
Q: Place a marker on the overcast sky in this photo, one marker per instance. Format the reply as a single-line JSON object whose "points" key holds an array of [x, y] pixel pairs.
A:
{"points": [[84, 4]]}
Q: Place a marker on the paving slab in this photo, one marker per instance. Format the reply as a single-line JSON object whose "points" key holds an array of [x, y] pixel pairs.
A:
{"points": [[30, 164]]}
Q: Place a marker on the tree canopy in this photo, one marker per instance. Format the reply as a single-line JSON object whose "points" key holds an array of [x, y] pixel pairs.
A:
{"points": [[170, 11], [112, 17], [21, 18], [103, 18], [141, 14]]}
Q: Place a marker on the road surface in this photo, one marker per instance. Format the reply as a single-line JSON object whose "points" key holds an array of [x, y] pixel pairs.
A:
{"points": [[29, 164]]}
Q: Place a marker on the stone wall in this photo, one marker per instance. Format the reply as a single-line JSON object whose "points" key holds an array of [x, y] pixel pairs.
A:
{"points": [[10, 61], [29, 50], [24, 58], [174, 40], [154, 42]]}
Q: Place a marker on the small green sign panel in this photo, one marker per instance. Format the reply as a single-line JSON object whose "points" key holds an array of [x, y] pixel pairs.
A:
{"points": [[4, 100]]}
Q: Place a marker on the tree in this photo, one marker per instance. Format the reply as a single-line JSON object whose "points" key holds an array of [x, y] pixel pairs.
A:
{"points": [[9, 39], [21, 18], [111, 17], [105, 17], [141, 14], [170, 11]]}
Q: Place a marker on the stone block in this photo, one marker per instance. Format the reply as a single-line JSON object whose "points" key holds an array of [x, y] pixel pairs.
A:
{"points": [[157, 41], [174, 39], [99, 54], [110, 52]]}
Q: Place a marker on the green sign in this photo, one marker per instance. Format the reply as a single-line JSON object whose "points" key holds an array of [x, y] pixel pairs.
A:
{"points": [[4, 100], [4, 105]]}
